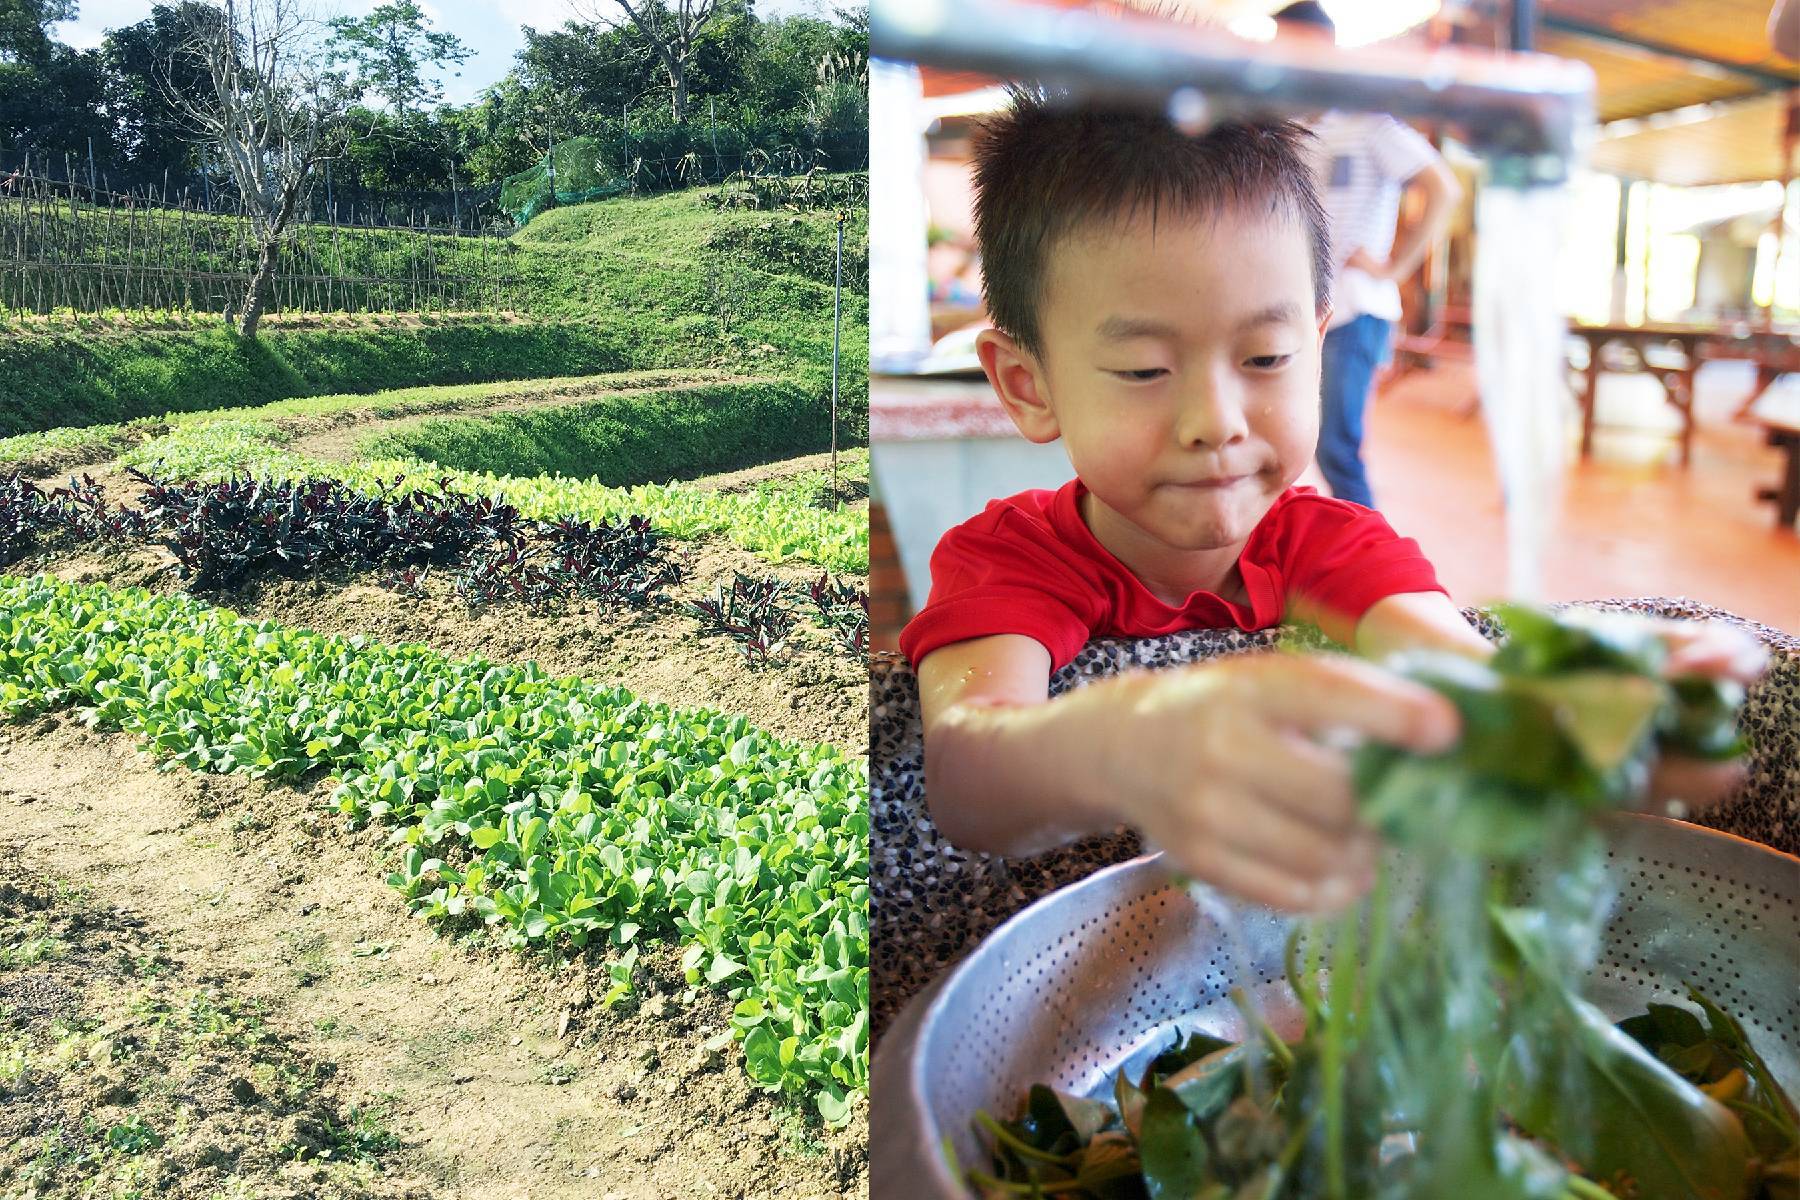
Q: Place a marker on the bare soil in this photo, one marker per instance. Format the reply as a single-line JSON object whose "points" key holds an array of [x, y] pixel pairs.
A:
{"points": [[206, 992], [749, 477]]}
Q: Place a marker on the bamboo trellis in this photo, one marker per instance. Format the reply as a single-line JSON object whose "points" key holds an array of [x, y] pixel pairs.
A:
{"points": [[69, 248]]}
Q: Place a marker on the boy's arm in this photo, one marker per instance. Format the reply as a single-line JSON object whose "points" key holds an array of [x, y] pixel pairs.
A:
{"points": [[1405, 621], [1417, 621], [1216, 763], [989, 733]]}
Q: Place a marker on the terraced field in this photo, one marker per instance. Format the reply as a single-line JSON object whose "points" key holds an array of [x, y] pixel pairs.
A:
{"points": [[575, 665]]}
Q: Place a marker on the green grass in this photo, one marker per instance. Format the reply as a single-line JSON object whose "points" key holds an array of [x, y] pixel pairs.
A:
{"points": [[551, 810], [59, 377], [658, 282], [461, 268], [693, 284], [47, 450], [639, 438]]}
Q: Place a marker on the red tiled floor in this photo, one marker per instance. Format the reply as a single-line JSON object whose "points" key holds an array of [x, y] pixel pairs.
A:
{"points": [[1634, 522]]}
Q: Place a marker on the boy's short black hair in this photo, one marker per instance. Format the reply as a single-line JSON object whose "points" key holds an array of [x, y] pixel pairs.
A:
{"points": [[1043, 169]]}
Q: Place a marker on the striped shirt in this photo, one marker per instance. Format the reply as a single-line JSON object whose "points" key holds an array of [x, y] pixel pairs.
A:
{"points": [[1364, 160]]}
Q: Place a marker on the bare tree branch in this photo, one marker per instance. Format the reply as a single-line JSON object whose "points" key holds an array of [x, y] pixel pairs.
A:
{"points": [[274, 114], [672, 27]]}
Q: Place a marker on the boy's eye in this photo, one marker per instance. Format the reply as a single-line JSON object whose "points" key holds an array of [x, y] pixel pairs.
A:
{"points": [[1268, 362], [1143, 376]]}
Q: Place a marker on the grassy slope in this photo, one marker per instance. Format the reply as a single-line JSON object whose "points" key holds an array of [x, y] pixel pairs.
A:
{"points": [[61, 377], [673, 277], [625, 284], [50, 450], [653, 437]]}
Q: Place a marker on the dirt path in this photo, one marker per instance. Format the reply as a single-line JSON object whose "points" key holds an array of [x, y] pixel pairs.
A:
{"points": [[436, 1069], [337, 442], [335, 434], [749, 477]]}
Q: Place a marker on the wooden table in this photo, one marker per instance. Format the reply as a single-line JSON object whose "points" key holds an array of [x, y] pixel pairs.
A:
{"points": [[1774, 350]]}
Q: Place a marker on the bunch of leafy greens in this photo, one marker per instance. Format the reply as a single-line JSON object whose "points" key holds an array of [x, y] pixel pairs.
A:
{"points": [[1448, 1051]]}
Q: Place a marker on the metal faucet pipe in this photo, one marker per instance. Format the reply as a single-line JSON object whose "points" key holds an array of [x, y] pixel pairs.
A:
{"points": [[1527, 114]]}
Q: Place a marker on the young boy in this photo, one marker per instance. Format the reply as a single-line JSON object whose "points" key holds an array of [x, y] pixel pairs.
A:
{"points": [[1159, 303]]}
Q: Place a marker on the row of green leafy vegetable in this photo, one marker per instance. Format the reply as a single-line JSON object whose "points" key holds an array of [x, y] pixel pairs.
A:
{"points": [[550, 809], [1450, 1014]]}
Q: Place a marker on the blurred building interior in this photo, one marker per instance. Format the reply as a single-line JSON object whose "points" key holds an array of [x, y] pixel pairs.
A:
{"points": [[1680, 281]]}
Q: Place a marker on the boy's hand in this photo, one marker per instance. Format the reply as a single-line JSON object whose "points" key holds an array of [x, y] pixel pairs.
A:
{"points": [[1716, 651], [1217, 764]]}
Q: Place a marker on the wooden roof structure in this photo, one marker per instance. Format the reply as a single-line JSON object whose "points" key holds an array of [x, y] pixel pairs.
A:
{"points": [[1688, 91]]}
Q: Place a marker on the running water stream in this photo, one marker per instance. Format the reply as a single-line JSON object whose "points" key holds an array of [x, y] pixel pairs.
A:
{"points": [[1519, 332], [1430, 1017]]}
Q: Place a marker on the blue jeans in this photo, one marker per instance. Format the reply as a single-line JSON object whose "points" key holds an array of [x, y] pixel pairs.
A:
{"points": [[1352, 352]]}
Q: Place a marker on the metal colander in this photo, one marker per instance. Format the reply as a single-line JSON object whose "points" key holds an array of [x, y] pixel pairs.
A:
{"points": [[1107, 972]]}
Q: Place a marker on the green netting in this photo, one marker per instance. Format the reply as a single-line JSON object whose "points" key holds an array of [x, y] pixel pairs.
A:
{"points": [[573, 172]]}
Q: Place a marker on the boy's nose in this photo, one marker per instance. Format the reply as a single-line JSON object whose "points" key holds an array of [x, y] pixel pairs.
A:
{"points": [[1212, 414]]}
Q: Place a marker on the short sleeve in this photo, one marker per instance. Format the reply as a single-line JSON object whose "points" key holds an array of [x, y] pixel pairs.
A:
{"points": [[1002, 573], [1400, 150], [1342, 558]]}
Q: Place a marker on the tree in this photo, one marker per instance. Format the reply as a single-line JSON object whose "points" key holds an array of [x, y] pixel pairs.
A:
{"points": [[672, 27], [24, 28], [53, 107], [142, 63], [273, 117], [390, 50]]}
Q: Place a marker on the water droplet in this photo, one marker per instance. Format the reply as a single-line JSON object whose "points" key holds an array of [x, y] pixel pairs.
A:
{"points": [[1187, 111]]}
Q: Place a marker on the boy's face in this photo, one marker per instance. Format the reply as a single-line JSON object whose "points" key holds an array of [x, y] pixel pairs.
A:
{"points": [[1181, 369]]}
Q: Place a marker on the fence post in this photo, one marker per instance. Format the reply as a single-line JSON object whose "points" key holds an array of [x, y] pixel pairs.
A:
{"points": [[837, 323]]}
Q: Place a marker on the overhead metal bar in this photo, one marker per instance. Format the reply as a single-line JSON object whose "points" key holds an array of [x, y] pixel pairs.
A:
{"points": [[1525, 113]]}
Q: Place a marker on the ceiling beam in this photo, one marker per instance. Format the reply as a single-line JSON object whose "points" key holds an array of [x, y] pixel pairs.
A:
{"points": [[1767, 79]]}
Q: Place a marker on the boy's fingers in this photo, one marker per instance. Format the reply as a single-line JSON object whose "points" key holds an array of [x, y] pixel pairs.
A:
{"points": [[1328, 692], [1308, 780], [1716, 651], [1268, 833], [1261, 882]]}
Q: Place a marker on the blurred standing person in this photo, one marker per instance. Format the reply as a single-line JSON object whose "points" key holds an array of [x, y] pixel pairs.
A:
{"points": [[1365, 160]]}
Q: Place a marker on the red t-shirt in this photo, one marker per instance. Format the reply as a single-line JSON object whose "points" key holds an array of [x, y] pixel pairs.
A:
{"points": [[1029, 564]]}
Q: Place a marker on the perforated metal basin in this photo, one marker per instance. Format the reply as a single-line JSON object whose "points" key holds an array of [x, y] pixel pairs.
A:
{"points": [[1106, 972]]}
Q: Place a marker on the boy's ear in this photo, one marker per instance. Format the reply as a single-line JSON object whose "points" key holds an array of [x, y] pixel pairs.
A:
{"points": [[1324, 317], [1019, 382]]}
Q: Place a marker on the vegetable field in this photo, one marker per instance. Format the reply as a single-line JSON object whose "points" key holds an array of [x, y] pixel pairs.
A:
{"points": [[572, 658], [545, 808]]}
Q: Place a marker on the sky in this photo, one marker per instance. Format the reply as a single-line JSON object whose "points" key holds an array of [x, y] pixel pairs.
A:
{"points": [[489, 27]]}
